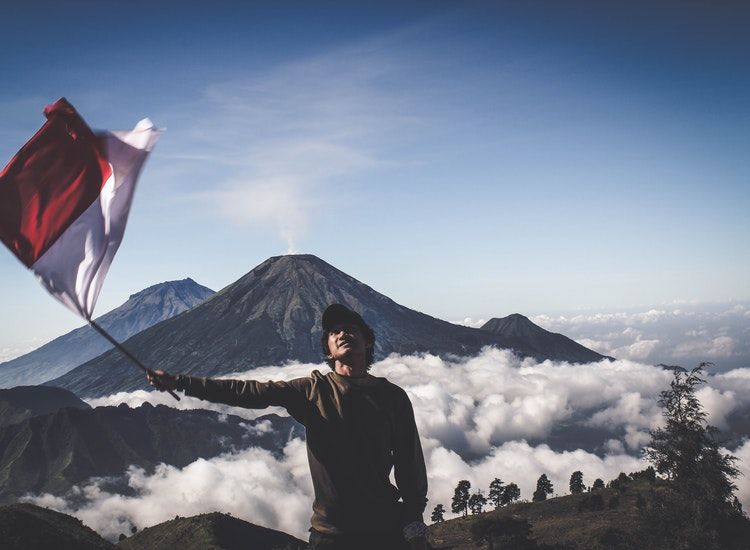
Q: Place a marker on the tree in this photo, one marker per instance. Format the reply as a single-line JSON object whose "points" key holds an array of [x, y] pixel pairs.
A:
{"points": [[576, 483], [477, 502], [543, 488], [619, 483], [598, 485], [649, 474], [511, 493], [437, 514], [460, 502], [687, 452], [687, 449], [496, 492]]}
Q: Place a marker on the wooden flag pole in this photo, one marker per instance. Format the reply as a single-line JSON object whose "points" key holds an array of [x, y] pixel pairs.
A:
{"points": [[125, 352]]}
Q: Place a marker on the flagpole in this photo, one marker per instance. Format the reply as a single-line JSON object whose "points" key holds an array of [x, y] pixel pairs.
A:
{"points": [[125, 352]]}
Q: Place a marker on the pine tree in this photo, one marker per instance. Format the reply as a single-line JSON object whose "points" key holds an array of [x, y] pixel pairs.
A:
{"points": [[598, 485], [576, 483], [687, 449], [477, 502], [511, 493], [543, 488], [460, 501], [496, 492], [437, 514]]}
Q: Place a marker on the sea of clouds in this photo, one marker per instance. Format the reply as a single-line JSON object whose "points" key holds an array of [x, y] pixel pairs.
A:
{"points": [[479, 418], [683, 334], [678, 334]]}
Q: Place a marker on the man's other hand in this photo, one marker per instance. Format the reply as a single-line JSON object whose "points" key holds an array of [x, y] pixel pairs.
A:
{"points": [[162, 381]]}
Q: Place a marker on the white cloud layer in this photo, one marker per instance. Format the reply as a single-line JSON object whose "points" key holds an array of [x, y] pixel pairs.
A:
{"points": [[476, 415], [681, 334]]}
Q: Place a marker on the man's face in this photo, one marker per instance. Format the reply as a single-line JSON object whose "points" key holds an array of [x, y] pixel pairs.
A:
{"points": [[347, 342]]}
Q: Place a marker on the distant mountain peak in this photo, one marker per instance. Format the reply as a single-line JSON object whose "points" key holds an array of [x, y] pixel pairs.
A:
{"points": [[542, 342], [183, 284], [141, 311], [518, 318]]}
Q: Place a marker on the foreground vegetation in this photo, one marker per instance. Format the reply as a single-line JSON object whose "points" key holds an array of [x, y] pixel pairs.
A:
{"points": [[690, 506]]}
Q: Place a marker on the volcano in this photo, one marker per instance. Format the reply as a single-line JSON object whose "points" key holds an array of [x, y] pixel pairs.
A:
{"points": [[272, 315]]}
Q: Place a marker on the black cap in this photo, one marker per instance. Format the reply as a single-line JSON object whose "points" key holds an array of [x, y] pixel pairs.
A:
{"points": [[336, 314]]}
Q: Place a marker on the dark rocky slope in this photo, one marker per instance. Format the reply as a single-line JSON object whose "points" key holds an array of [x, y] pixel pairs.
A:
{"points": [[22, 402], [51, 453], [29, 527]]}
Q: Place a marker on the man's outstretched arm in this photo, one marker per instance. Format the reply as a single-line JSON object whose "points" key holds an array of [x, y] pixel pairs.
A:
{"points": [[237, 393]]}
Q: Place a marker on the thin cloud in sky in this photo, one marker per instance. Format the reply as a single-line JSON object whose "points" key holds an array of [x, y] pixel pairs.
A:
{"points": [[295, 135]]}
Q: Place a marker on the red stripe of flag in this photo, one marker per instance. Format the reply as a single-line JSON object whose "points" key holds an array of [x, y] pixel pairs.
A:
{"points": [[50, 182]]}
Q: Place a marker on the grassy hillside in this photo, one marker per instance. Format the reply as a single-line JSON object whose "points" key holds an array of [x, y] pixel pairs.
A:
{"points": [[215, 531], [26, 527], [605, 519]]}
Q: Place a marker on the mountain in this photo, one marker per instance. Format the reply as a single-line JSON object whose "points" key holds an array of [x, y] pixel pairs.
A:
{"points": [[22, 402], [53, 452], [216, 531], [269, 316], [540, 342], [27, 527], [141, 311]]}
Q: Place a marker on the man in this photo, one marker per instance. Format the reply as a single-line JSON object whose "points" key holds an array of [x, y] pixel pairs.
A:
{"points": [[358, 427]]}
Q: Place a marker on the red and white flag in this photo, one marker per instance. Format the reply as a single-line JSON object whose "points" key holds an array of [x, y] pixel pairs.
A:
{"points": [[65, 198]]}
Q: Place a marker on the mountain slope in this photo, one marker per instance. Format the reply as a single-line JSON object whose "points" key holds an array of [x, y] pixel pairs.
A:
{"points": [[141, 311], [540, 342], [51, 453], [27, 527], [603, 520], [216, 531], [272, 315], [22, 402]]}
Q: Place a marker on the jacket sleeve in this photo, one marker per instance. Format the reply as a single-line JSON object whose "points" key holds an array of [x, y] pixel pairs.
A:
{"points": [[408, 463], [251, 394]]}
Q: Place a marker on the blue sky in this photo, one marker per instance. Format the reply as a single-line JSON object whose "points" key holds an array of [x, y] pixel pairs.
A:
{"points": [[465, 160]]}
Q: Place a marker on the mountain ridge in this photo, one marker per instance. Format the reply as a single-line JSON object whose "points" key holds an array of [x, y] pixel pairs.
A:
{"points": [[212, 530], [22, 402], [140, 311], [539, 340], [271, 315], [51, 453]]}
